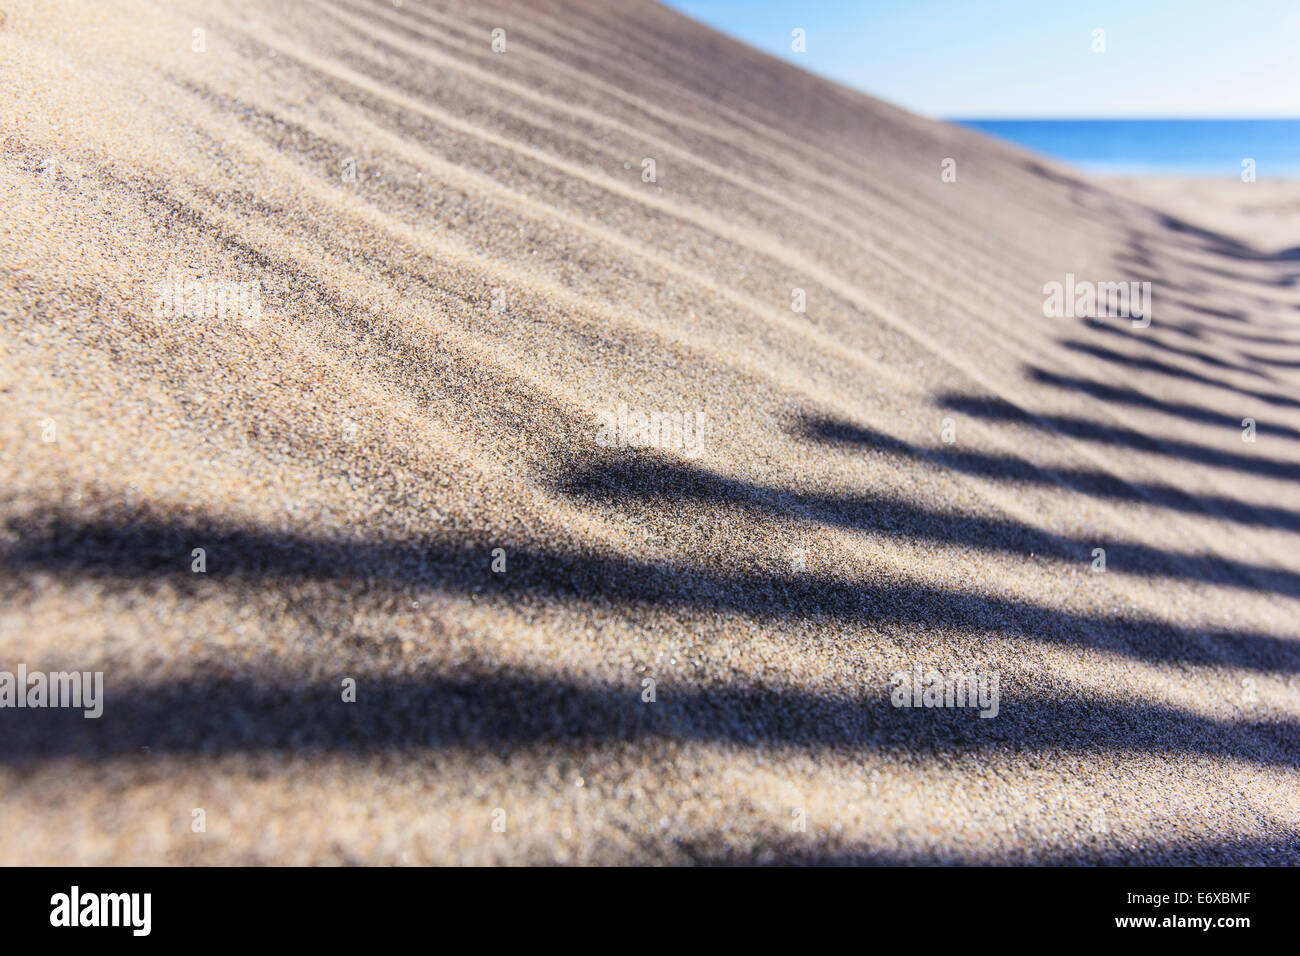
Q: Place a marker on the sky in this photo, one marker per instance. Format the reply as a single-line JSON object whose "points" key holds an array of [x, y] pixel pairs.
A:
{"points": [[1034, 58]]}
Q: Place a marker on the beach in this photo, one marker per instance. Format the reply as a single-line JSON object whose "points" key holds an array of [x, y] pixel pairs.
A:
{"points": [[550, 445], [1264, 215]]}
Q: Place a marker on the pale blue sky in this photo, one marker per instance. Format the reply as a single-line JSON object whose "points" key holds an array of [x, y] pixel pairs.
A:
{"points": [[1033, 58]]}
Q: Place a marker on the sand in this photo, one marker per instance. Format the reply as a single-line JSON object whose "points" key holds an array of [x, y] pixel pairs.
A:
{"points": [[443, 268], [1264, 216]]}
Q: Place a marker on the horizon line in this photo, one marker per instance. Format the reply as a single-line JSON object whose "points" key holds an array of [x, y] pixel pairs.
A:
{"points": [[1115, 119]]}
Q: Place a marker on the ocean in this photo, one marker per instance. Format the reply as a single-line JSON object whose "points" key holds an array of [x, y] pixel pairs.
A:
{"points": [[1140, 147]]}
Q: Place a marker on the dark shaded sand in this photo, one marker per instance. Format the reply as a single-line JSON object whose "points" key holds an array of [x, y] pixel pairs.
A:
{"points": [[438, 338]]}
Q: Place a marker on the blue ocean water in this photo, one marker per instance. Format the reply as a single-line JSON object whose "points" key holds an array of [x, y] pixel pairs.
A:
{"points": [[1192, 147]]}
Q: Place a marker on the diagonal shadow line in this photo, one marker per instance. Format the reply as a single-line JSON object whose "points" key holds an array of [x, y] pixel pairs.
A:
{"points": [[1002, 410], [1243, 341], [1274, 279], [1223, 245], [509, 711], [1174, 371], [1129, 396], [1152, 341], [148, 550], [1142, 246], [1275, 362], [650, 480], [1096, 484]]}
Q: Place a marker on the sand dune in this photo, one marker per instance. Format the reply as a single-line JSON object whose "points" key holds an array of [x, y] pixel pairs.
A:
{"points": [[349, 300]]}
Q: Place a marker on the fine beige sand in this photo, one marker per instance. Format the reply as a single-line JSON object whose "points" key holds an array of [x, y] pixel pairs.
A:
{"points": [[462, 264], [1264, 214]]}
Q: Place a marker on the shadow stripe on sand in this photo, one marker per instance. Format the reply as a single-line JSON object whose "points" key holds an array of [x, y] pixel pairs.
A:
{"points": [[141, 549], [505, 711]]}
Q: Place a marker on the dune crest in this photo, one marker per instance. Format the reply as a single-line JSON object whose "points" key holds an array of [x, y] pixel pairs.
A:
{"points": [[610, 410]]}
